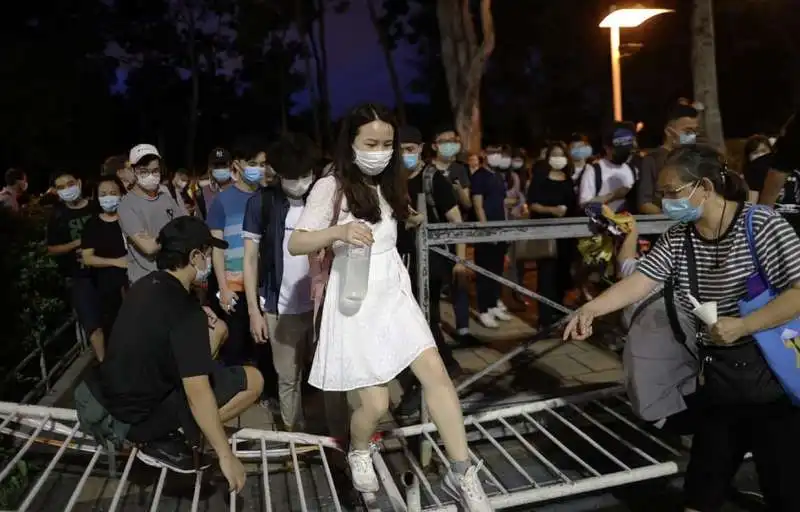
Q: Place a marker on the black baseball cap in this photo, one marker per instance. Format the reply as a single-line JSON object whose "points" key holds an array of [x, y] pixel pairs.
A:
{"points": [[622, 134], [185, 234], [410, 135], [220, 157]]}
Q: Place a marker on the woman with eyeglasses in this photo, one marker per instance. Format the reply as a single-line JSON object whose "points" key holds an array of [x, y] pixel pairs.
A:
{"points": [[706, 255]]}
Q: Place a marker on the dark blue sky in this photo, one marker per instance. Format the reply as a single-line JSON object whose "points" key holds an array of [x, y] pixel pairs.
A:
{"points": [[356, 66]]}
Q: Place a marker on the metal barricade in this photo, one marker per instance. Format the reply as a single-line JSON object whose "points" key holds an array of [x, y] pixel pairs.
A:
{"points": [[432, 237]]}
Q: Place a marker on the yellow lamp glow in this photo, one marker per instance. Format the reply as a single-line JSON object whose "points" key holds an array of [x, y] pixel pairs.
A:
{"points": [[623, 18], [629, 18]]}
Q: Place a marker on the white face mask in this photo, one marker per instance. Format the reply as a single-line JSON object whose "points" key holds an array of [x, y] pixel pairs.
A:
{"points": [[372, 163], [494, 159], [558, 162], [296, 188], [202, 274], [149, 182], [505, 162], [517, 164]]}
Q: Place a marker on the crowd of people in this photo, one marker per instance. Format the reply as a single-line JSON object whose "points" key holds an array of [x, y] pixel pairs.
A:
{"points": [[203, 293]]}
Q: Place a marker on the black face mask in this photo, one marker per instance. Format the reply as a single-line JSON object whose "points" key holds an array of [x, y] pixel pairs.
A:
{"points": [[760, 165], [620, 155]]}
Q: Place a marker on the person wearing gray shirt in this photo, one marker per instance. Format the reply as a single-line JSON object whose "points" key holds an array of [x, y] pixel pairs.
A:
{"points": [[146, 209]]}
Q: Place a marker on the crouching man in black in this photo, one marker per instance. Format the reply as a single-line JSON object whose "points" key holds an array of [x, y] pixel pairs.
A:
{"points": [[159, 386]]}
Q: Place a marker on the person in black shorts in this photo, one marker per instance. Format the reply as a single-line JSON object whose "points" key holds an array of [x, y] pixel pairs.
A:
{"points": [[159, 374], [103, 250]]}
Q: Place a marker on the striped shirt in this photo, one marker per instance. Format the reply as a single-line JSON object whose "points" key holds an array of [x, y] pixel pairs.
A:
{"points": [[722, 268]]}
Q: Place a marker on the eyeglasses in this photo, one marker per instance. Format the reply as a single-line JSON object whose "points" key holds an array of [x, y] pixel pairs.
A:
{"points": [[673, 193]]}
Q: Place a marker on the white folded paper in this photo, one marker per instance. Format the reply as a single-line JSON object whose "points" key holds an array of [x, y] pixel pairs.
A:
{"points": [[707, 313]]}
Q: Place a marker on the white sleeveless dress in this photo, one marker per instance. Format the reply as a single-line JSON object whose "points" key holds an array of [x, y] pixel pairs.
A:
{"points": [[389, 332]]}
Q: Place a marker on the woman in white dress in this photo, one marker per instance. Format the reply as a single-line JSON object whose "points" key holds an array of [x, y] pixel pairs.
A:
{"points": [[389, 333]]}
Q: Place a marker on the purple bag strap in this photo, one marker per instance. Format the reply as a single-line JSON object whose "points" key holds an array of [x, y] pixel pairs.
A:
{"points": [[751, 244]]}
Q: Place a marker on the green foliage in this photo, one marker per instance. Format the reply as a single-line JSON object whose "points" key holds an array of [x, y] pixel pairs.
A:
{"points": [[14, 486], [32, 296]]}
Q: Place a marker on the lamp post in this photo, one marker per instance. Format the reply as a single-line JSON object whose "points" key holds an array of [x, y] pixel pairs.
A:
{"points": [[617, 19]]}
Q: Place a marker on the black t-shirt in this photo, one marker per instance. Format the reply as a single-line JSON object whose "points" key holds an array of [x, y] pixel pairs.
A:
{"points": [[549, 192], [66, 225], [160, 336], [443, 196], [492, 187], [108, 242]]}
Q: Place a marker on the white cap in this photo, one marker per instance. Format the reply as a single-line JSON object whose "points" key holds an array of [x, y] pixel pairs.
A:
{"points": [[141, 151]]}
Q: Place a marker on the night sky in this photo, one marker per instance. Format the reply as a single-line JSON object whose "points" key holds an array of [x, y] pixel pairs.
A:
{"points": [[356, 66]]}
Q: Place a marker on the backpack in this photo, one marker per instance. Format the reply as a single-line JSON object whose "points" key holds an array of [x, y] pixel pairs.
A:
{"points": [[660, 356], [630, 197]]}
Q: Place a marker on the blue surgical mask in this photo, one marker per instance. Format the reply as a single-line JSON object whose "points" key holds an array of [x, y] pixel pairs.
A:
{"points": [[681, 209], [687, 138], [221, 175], [449, 149], [410, 160], [581, 152], [253, 174], [109, 203], [70, 194]]}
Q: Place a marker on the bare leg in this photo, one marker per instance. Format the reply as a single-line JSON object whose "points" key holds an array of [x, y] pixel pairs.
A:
{"points": [[439, 390], [244, 399], [217, 331], [98, 341], [364, 420]]}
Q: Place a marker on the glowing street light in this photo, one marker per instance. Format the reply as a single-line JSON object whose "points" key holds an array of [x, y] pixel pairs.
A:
{"points": [[623, 18]]}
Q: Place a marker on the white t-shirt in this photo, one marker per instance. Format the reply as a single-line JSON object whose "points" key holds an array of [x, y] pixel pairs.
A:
{"points": [[614, 177], [295, 295]]}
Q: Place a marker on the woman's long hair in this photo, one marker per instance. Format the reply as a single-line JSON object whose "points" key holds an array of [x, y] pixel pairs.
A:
{"points": [[362, 199]]}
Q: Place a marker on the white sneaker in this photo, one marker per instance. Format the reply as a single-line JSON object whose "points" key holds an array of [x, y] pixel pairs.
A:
{"points": [[464, 331], [501, 306], [467, 490], [487, 319], [500, 314], [362, 471]]}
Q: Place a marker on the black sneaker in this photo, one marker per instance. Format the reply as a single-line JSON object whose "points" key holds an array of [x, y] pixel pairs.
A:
{"points": [[173, 454]]}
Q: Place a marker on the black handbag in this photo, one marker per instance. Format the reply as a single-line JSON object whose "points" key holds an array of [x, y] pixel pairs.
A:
{"points": [[731, 374]]}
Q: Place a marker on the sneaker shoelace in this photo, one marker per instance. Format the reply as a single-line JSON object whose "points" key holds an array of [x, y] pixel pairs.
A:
{"points": [[362, 462], [471, 484]]}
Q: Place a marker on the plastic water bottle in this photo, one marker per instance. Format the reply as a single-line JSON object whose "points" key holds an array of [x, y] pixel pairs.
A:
{"points": [[355, 278]]}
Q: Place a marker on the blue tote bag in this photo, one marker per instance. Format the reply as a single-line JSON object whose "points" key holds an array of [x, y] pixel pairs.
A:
{"points": [[780, 345]]}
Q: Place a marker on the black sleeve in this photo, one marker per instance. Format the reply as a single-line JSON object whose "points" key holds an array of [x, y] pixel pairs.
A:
{"points": [[443, 195], [570, 199], [90, 235], [190, 343]]}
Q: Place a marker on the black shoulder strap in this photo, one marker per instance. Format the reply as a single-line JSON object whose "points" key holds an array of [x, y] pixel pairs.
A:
{"points": [[266, 208], [672, 316], [598, 178], [688, 248]]}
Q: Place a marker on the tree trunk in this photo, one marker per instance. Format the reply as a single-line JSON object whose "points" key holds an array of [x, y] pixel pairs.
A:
{"points": [[194, 102], [304, 28], [322, 75], [705, 72], [383, 38], [464, 61]]}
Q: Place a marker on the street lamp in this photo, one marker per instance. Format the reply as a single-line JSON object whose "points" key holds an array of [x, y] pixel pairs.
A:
{"points": [[623, 18]]}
